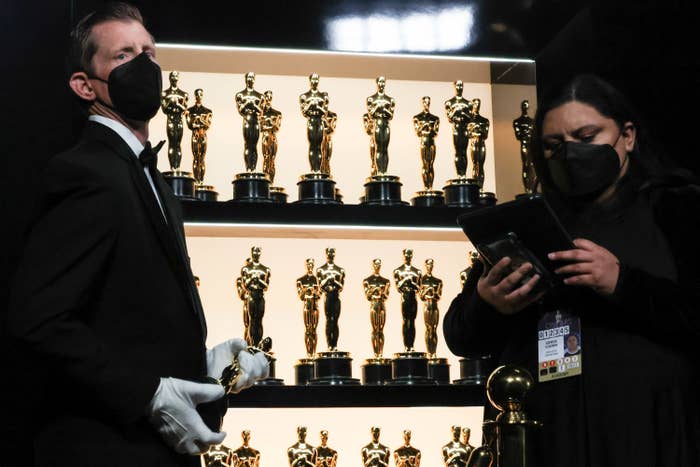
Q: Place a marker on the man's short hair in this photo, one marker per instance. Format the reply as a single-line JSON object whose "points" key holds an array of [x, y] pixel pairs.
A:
{"points": [[82, 46]]}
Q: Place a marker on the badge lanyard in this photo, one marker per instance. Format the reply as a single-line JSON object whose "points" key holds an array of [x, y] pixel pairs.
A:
{"points": [[559, 345]]}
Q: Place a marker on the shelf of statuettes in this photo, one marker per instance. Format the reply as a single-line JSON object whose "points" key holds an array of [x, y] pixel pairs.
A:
{"points": [[457, 451], [261, 123], [360, 396]]}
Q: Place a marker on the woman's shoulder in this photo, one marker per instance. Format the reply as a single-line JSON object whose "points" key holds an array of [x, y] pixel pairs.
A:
{"points": [[676, 186]]}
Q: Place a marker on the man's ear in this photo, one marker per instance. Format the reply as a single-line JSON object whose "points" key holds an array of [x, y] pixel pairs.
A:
{"points": [[81, 86]]}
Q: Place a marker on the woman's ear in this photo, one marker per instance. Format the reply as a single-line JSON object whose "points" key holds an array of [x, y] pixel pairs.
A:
{"points": [[629, 136], [81, 86]]}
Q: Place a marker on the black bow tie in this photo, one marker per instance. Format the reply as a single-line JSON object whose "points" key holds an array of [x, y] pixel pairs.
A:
{"points": [[149, 155]]}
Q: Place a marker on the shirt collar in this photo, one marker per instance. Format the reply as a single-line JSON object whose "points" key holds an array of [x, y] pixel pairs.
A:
{"points": [[123, 131]]}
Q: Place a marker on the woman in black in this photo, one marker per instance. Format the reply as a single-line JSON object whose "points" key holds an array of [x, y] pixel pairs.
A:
{"points": [[633, 281]]}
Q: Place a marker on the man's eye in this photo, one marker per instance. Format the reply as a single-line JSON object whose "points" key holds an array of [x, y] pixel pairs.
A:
{"points": [[121, 56]]}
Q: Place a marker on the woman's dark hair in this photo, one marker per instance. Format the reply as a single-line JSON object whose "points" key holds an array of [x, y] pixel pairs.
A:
{"points": [[609, 102]]}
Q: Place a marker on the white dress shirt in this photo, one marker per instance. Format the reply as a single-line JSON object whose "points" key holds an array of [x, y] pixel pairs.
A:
{"points": [[135, 145]]}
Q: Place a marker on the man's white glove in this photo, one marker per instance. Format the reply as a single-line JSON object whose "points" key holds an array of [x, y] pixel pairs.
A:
{"points": [[253, 366], [173, 413]]}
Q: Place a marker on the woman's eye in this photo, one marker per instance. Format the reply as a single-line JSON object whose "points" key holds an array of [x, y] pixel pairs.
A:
{"points": [[587, 138]]}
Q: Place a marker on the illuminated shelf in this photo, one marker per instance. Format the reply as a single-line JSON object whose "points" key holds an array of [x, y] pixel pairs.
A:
{"points": [[223, 219], [360, 396]]}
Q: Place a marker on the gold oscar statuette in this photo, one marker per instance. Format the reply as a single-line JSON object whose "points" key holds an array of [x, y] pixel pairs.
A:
{"points": [[251, 285], [406, 278], [524, 127], [376, 290], [477, 131], [326, 456], [460, 191], [245, 455], [309, 292], [407, 455], [409, 366], [332, 366], [218, 455], [199, 120], [251, 186], [473, 258], [458, 114], [374, 453], [455, 453], [330, 120], [173, 103], [430, 291], [380, 188], [271, 123], [301, 453], [377, 369], [427, 126], [317, 186]]}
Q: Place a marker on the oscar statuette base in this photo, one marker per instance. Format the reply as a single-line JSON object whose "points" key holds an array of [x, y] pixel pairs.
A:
{"points": [[410, 368], [316, 188], [303, 371], [182, 184], [487, 199], [333, 368], [474, 371], [278, 195], [271, 380], [528, 195], [439, 370], [251, 187], [382, 190], [206, 193], [376, 371], [338, 195], [461, 193], [428, 199]]}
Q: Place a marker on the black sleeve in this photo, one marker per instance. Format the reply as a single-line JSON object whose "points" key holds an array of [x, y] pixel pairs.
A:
{"points": [[66, 257], [471, 326], [660, 308]]}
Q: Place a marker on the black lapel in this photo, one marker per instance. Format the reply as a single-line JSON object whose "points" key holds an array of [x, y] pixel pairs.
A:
{"points": [[175, 221], [168, 235]]}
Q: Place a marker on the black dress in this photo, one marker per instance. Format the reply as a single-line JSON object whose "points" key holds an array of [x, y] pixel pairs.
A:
{"points": [[635, 402]]}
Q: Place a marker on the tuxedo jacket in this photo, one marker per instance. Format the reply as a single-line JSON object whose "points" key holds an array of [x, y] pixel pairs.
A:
{"points": [[104, 304]]}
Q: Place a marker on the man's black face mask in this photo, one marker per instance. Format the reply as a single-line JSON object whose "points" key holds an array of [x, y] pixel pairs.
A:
{"points": [[583, 170], [134, 88]]}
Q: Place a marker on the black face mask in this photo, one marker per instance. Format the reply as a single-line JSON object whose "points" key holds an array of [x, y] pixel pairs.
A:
{"points": [[134, 88], [581, 170]]}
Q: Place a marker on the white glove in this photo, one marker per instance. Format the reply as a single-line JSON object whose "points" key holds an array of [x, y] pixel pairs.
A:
{"points": [[221, 356], [174, 415], [253, 366]]}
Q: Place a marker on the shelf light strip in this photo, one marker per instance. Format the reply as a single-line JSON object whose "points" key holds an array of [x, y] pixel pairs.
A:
{"points": [[167, 45], [221, 225]]}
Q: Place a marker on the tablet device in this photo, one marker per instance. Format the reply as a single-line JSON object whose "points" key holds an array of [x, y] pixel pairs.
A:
{"points": [[526, 230]]}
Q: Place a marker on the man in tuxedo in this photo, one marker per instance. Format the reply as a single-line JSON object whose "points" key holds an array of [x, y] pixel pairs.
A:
{"points": [[104, 305]]}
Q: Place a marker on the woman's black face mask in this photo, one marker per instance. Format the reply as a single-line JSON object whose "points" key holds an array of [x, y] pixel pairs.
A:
{"points": [[582, 170], [134, 88]]}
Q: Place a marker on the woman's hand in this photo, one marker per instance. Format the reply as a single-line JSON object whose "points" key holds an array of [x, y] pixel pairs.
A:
{"points": [[505, 293], [592, 266]]}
